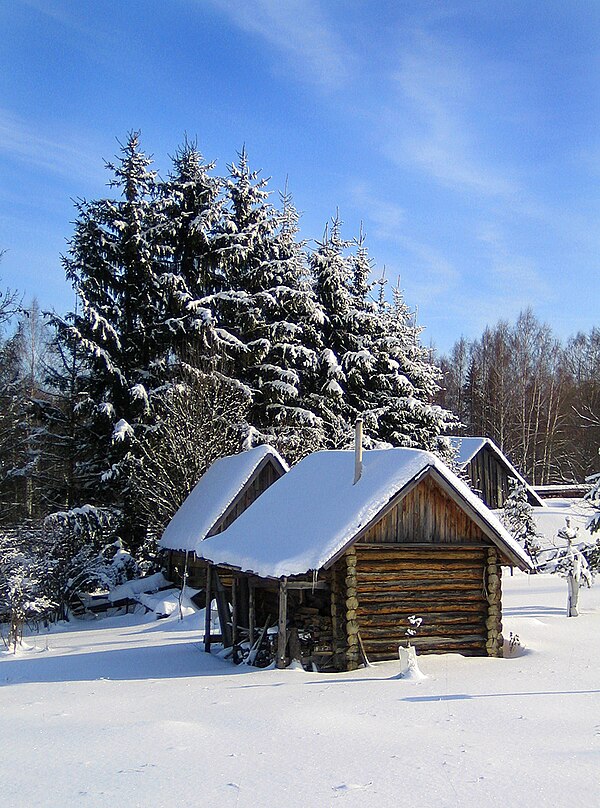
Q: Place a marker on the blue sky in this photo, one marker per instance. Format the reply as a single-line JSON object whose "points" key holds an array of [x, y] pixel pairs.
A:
{"points": [[466, 135]]}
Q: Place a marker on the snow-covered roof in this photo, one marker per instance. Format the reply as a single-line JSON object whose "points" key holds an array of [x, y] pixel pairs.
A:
{"points": [[314, 511], [467, 448], [210, 499]]}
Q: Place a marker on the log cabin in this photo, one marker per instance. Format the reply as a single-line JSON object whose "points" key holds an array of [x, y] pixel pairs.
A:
{"points": [[345, 547], [226, 489], [489, 471]]}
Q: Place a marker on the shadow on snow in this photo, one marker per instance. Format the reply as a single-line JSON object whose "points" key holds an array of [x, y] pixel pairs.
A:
{"points": [[168, 661]]}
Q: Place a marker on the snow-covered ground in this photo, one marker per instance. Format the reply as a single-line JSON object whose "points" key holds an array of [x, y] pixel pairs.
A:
{"points": [[129, 712]]}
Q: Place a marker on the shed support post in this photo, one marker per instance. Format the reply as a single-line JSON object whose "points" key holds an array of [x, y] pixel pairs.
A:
{"points": [[234, 610], [207, 614], [223, 609], [251, 613], [282, 624]]}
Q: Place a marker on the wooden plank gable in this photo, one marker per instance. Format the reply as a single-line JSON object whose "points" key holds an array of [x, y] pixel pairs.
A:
{"points": [[426, 514]]}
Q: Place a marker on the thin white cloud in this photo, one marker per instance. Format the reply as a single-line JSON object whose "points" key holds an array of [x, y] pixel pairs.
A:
{"points": [[431, 273], [62, 155], [437, 94], [388, 218], [298, 29], [515, 279]]}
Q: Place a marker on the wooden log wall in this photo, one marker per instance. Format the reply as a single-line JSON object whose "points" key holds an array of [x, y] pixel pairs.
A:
{"points": [[443, 584], [196, 569], [495, 641], [353, 651], [425, 514]]}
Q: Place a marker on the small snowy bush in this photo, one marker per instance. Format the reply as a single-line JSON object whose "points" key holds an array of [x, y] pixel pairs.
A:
{"points": [[569, 560], [23, 577], [517, 518]]}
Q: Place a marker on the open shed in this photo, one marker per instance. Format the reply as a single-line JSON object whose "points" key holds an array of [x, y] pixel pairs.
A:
{"points": [[225, 490], [342, 566], [489, 471]]}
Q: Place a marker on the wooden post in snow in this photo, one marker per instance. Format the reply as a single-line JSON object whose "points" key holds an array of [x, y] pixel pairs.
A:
{"points": [[223, 609], [207, 614], [282, 624], [251, 613]]}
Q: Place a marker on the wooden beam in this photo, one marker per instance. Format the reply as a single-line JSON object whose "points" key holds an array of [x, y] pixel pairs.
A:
{"points": [[270, 583], [207, 614], [243, 602], [322, 585], [282, 624]]}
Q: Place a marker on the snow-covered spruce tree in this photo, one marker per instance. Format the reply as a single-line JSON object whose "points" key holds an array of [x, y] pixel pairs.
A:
{"points": [[517, 518], [363, 364], [114, 264], [408, 380], [375, 362], [13, 433], [332, 278], [68, 478], [266, 315], [242, 232], [189, 212], [286, 378], [592, 498]]}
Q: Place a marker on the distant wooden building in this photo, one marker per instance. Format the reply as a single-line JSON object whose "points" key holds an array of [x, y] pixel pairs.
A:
{"points": [[489, 471], [340, 567], [572, 490], [227, 488]]}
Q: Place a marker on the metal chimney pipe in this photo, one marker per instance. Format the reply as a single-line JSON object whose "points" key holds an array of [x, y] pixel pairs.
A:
{"points": [[358, 449]]}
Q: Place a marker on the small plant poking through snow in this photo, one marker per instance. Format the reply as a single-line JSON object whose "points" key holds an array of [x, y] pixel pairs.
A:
{"points": [[514, 645], [409, 667], [415, 624]]}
